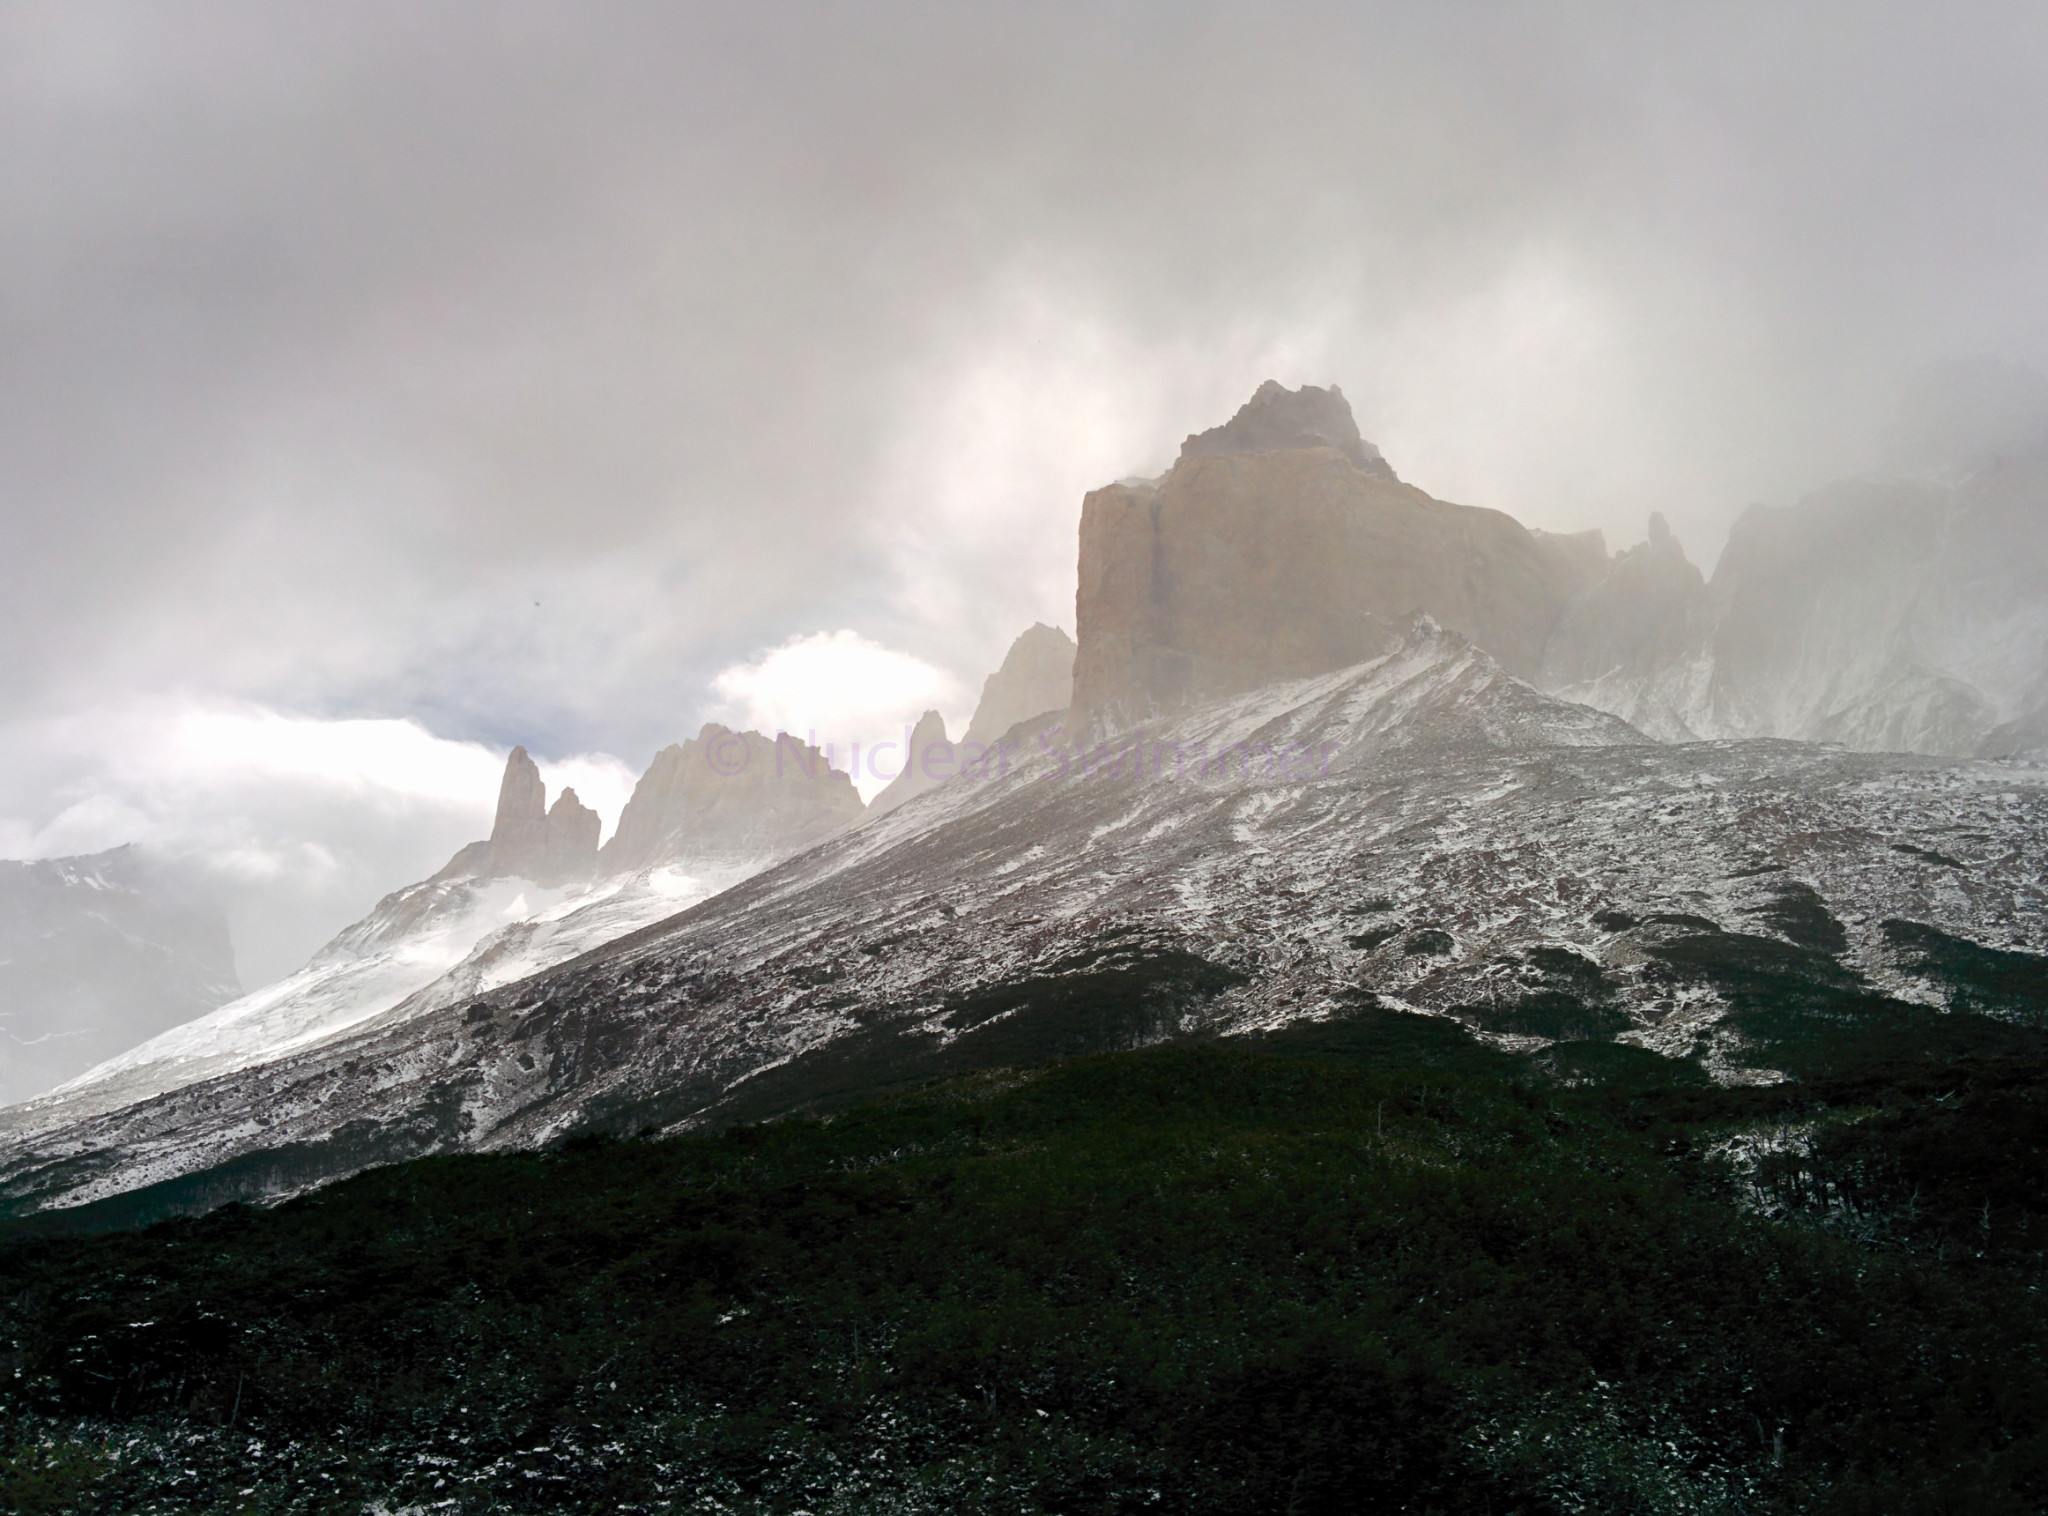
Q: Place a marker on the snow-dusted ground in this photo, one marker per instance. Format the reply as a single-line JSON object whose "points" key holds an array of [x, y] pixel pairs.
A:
{"points": [[426, 946], [1415, 828]]}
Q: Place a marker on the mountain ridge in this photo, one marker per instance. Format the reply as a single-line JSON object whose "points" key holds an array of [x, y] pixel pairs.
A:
{"points": [[1448, 840], [1266, 709]]}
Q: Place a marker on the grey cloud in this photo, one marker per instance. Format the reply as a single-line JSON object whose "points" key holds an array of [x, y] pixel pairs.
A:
{"points": [[335, 337]]}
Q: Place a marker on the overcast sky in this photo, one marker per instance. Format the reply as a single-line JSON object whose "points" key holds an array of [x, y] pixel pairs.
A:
{"points": [[382, 385]]}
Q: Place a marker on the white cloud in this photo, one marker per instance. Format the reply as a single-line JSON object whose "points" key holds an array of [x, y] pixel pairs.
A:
{"points": [[843, 690]]}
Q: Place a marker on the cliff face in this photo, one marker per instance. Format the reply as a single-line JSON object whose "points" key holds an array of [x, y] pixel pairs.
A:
{"points": [[573, 829], [519, 831], [1881, 614], [731, 794], [1037, 676], [1885, 615], [1243, 566]]}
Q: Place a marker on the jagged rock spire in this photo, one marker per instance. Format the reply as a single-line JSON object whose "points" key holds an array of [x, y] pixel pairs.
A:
{"points": [[529, 841], [573, 829], [929, 760], [520, 831]]}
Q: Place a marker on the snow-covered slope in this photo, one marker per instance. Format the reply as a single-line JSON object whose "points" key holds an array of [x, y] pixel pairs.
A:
{"points": [[530, 895], [1422, 831], [427, 945]]}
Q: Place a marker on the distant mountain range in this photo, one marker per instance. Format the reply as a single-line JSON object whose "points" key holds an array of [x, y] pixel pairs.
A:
{"points": [[1885, 615], [98, 953], [1325, 745], [539, 890]]}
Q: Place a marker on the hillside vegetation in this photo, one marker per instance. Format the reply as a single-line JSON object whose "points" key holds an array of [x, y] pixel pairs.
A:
{"points": [[1358, 1266]]}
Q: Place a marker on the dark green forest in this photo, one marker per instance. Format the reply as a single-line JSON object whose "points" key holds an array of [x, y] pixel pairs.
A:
{"points": [[1361, 1265]]}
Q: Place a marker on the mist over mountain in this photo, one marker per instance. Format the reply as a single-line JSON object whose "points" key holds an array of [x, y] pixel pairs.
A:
{"points": [[1035, 679], [1310, 762], [1484, 949], [1907, 614], [928, 758], [1270, 551], [516, 381], [98, 954], [731, 794], [1036, 676], [1340, 788], [1902, 614]]}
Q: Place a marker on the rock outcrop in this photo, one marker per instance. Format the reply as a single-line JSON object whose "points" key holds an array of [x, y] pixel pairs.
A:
{"points": [[1037, 676], [1885, 615], [1269, 551], [930, 758], [529, 841], [519, 831], [573, 830], [727, 794]]}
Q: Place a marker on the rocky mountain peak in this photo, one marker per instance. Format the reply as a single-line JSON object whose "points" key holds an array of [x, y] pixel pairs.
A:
{"points": [[521, 825], [727, 794], [573, 829], [528, 840], [1268, 553], [1277, 419], [1037, 676], [929, 760], [1628, 642]]}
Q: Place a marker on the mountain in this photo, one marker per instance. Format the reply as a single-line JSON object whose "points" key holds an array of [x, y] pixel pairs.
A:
{"points": [[732, 795], [1883, 614], [1280, 546], [528, 896], [98, 952], [1633, 641], [529, 841], [1500, 1105], [1037, 676], [1422, 832], [929, 759], [1277, 419], [1308, 772]]}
